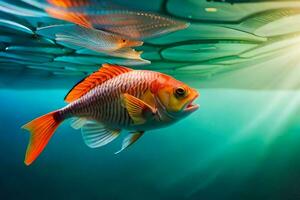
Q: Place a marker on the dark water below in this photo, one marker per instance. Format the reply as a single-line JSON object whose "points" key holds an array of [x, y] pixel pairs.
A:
{"points": [[238, 145]]}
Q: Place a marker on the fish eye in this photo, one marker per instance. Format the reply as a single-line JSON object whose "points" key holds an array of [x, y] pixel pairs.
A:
{"points": [[123, 41], [180, 92]]}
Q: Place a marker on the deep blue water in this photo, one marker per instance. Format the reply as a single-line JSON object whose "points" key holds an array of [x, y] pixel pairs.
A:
{"points": [[238, 145]]}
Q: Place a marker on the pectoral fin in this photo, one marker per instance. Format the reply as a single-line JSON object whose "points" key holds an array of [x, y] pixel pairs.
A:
{"points": [[137, 109], [130, 139]]}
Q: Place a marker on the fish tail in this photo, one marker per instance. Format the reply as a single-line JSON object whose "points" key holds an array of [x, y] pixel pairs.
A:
{"points": [[75, 17], [41, 129]]}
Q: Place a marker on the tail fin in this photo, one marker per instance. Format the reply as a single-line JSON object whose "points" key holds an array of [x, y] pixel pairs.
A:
{"points": [[41, 129], [75, 17]]}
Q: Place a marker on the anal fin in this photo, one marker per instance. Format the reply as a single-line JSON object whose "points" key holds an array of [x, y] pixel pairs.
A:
{"points": [[78, 123], [97, 135]]}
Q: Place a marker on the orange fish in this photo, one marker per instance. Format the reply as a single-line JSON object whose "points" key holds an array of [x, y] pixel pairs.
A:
{"points": [[94, 39], [99, 41], [107, 16], [112, 99]]}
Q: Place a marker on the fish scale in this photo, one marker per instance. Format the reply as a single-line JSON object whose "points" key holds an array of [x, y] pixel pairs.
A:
{"points": [[103, 103]]}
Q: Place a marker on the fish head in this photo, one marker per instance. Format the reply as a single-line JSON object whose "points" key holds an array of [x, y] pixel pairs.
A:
{"points": [[128, 43], [174, 97]]}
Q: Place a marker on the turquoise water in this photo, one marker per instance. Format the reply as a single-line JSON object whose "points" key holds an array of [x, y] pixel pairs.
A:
{"points": [[238, 145], [242, 56]]}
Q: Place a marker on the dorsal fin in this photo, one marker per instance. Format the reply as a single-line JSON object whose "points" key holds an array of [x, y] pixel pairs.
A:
{"points": [[106, 72]]}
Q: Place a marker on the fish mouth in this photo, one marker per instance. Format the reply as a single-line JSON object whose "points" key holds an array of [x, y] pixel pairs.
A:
{"points": [[139, 43], [190, 107], [136, 43]]}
